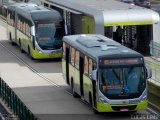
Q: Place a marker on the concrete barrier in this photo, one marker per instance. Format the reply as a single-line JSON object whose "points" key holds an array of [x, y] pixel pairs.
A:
{"points": [[154, 88]]}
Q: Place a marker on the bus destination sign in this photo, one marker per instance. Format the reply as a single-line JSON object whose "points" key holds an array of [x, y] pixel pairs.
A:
{"points": [[121, 61]]}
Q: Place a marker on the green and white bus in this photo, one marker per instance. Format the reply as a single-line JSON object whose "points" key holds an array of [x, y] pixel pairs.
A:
{"points": [[106, 74], [35, 29], [104, 16]]}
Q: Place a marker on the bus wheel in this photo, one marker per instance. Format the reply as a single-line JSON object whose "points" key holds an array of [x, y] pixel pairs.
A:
{"points": [[90, 99], [29, 53], [92, 104], [20, 45], [73, 90], [10, 38]]}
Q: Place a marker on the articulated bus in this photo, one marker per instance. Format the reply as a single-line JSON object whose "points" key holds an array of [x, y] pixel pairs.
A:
{"points": [[35, 29], [104, 16], [106, 74]]}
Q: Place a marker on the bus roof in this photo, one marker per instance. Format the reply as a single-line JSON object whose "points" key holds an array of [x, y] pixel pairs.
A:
{"points": [[35, 12], [97, 46], [110, 10]]}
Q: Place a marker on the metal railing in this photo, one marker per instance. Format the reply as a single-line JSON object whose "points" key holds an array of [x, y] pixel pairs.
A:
{"points": [[14, 102]]}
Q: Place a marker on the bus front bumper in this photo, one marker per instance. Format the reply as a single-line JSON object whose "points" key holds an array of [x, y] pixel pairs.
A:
{"points": [[38, 55], [104, 107]]}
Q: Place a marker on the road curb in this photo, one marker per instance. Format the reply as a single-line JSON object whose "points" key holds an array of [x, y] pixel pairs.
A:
{"points": [[154, 107]]}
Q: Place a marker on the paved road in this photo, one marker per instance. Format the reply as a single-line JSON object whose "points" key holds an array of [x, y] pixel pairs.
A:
{"points": [[43, 99]]}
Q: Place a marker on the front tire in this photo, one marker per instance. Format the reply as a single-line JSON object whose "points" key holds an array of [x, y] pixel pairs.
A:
{"points": [[29, 53], [20, 45], [73, 90], [10, 38], [92, 104]]}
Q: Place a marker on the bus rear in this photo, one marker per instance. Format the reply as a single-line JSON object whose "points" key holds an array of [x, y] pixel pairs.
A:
{"points": [[122, 84]]}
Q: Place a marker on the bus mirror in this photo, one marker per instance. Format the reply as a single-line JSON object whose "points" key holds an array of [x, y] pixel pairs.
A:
{"points": [[33, 31], [94, 75], [149, 72]]}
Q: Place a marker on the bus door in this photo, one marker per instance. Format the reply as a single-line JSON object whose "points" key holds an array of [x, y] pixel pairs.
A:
{"points": [[67, 64], [144, 37], [81, 68], [138, 37], [76, 24], [15, 29], [94, 67]]}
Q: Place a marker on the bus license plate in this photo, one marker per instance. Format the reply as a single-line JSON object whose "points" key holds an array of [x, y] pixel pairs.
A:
{"points": [[51, 55], [123, 110]]}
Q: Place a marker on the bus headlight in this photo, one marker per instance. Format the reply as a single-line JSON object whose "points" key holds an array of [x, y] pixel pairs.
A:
{"points": [[39, 51], [102, 100], [144, 98]]}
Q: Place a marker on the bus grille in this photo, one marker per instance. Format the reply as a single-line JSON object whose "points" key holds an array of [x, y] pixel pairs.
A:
{"points": [[118, 108]]}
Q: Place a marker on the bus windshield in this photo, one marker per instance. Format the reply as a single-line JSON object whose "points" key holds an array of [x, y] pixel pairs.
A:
{"points": [[49, 36], [122, 82]]}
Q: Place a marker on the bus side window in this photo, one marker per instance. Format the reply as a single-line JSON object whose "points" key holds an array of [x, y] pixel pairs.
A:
{"points": [[94, 66], [86, 65], [72, 60], [90, 67], [28, 32], [24, 26], [77, 60], [18, 22], [8, 17], [27, 27], [13, 18]]}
